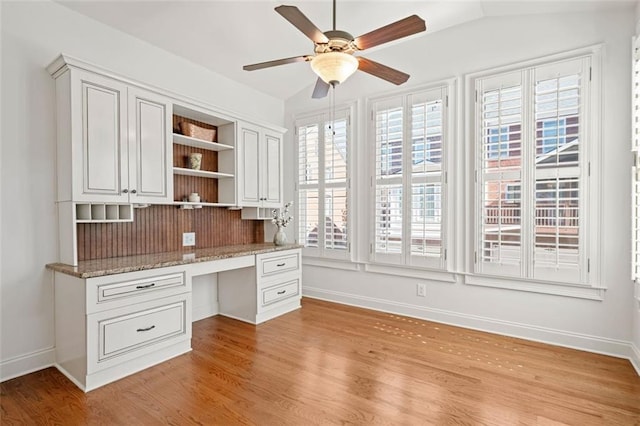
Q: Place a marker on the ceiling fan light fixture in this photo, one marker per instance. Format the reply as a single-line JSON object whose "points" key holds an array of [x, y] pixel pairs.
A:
{"points": [[334, 67]]}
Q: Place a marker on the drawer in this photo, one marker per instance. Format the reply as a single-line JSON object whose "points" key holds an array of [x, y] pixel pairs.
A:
{"points": [[279, 264], [132, 288], [130, 332], [280, 292]]}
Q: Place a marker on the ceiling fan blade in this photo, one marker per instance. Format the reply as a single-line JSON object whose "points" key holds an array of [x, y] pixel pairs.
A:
{"points": [[321, 89], [301, 22], [402, 28], [382, 71], [277, 62]]}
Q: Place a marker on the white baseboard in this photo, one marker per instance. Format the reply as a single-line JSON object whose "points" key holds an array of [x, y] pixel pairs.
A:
{"points": [[616, 348], [635, 358], [25, 364]]}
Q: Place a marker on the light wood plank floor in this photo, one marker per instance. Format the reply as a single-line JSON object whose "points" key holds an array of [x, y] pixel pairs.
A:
{"points": [[334, 364]]}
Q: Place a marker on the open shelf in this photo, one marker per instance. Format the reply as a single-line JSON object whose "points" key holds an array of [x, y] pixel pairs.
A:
{"points": [[188, 205], [201, 173], [103, 213], [199, 143]]}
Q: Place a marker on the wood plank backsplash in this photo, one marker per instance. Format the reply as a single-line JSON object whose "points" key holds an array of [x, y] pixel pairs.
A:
{"points": [[158, 229]]}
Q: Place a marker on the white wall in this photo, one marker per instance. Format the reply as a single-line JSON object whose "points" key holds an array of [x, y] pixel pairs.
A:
{"points": [[33, 34], [603, 326]]}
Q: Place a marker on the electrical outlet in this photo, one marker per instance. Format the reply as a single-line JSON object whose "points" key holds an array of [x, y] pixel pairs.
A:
{"points": [[421, 290], [188, 239]]}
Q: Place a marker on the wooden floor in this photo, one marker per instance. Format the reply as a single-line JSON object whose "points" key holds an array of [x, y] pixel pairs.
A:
{"points": [[333, 364]]}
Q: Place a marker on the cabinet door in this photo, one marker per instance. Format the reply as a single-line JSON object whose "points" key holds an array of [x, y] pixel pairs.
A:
{"points": [[99, 140], [271, 170], [249, 165], [150, 148]]}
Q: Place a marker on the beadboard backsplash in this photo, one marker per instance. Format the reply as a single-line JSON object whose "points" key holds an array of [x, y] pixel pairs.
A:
{"points": [[158, 229]]}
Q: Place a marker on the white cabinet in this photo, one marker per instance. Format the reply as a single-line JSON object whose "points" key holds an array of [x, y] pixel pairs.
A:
{"points": [[259, 294], [112, 326], [260, 177], [114, 142]]}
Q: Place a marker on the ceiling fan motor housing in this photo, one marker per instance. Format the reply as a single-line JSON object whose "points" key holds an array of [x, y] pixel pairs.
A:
{"points": [[339, 41]]}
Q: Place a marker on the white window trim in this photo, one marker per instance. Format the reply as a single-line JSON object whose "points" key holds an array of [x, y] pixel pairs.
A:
{"points": [[635, 170], [328, 258], [449, 132], [595, 288]]}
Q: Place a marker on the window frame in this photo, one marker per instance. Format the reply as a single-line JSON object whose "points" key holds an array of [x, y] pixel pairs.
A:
{"points": [[404, 264], [635, 169], [321, 117], [591, 286]]}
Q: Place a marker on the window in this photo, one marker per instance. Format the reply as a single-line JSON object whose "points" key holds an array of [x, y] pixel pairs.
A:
{"points": [[323, 184], [408, 179], [533, 130]]}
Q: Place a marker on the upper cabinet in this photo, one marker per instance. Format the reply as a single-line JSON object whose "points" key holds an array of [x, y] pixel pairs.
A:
{"points": [[114, 141], [260, 177]]}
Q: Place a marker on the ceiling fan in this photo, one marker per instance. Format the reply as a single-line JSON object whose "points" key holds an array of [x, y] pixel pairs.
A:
{"points": [[334, 59]]}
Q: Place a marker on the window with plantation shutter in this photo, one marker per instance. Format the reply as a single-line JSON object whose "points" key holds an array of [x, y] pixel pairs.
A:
{"points": [[532, 136], [323, 184], [408, 181]]}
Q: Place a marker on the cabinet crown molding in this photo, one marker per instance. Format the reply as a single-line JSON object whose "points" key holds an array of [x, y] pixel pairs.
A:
{"points": [[63, 62]]}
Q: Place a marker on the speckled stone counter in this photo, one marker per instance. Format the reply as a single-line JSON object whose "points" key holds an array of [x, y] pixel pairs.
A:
{"points": [[119, 265]]}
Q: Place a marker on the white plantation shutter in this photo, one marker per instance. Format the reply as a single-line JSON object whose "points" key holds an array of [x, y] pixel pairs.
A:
{"points": [[308, 184], [425, 166], [335, 183], [558, 140], [635, 173], [388, 209], [323, 178], [408, 182], [532, 175], [500, 140]]}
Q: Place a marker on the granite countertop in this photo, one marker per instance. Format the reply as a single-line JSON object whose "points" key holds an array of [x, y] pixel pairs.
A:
{"points": [[119, 265]]}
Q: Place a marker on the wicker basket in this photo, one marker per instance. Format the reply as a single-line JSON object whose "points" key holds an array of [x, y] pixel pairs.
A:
{"points": [[194, 131]]}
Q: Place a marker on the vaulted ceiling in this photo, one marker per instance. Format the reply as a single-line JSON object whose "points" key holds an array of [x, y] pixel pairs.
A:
{"points": [[225, 35]]}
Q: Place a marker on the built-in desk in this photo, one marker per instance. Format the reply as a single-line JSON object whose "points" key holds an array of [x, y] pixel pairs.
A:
{"points": [[114, 317]]}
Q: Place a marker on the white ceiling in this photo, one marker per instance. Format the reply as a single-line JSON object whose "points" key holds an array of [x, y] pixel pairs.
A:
{"points": [[225, 35]]}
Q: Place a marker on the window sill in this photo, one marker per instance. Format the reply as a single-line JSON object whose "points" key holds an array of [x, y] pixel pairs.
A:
{"points": [[543, 287], [404, 271], [330, 263]]}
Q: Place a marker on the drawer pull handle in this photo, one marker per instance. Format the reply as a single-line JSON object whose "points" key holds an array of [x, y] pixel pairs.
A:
{"points": [[145, 329], [280, 264], [282, 292], [142, 287]]}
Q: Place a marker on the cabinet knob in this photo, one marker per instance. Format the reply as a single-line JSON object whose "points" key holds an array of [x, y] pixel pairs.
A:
{"points": [[125, 191], [133, 191]]}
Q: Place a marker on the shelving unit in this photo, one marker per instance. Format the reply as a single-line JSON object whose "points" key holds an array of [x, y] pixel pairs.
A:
{"points": [[103, 213], [215, 181], [257, 213]]}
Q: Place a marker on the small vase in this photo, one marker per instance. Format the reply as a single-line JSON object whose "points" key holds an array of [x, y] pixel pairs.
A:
{"points": [[280, 238]]}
